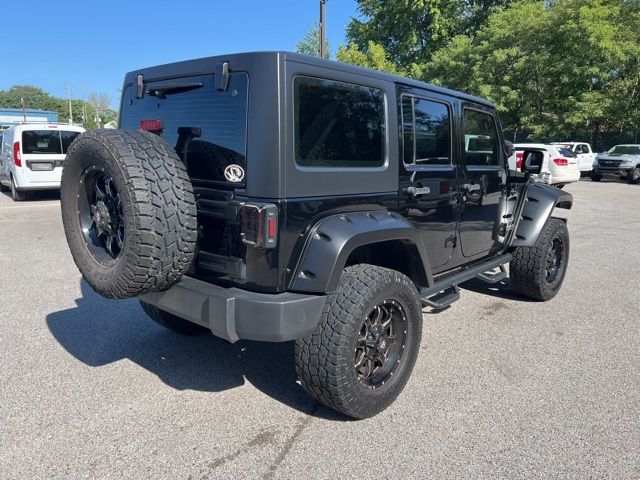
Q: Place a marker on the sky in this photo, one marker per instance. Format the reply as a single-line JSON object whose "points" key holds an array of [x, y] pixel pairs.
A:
{"points": [[92, 44]]}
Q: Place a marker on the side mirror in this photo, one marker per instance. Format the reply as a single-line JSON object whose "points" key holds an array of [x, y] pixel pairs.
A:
{"points": [[509, 149], [532, 161]]}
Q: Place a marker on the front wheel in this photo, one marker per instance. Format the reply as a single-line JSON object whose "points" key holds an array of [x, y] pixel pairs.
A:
{"points": [[538, 272], [634, 175], [596, 177], [362, 352]]}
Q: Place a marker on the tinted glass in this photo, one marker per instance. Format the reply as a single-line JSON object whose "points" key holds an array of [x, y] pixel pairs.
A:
{"points": [[67, 138], [41, 142], [338, 124], [220, 116], [432, 133], [480, 139], [566, 152], [625, 150], [407, 129]]}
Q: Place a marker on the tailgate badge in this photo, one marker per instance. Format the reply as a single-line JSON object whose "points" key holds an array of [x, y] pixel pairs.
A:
{"points": [[234, 173]]}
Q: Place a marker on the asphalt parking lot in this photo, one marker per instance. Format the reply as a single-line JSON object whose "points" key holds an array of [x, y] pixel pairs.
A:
{"points": [[503, 388]]}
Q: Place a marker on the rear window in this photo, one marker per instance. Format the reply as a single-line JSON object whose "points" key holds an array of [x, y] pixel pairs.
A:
{"points": [[219, 117], [566, 152], [47, 141], [338, 124]]}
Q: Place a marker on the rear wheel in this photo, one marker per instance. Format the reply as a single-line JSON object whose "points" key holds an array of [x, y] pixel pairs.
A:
{"points": [[361, 355], [634, 175], [172, 322], [3, 188], [17, 195], [596, 177], [538, 272]]}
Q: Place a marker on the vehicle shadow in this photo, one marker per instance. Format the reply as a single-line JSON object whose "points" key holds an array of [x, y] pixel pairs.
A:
{"points": [[501, 289], [38, 195], [99, 331]]}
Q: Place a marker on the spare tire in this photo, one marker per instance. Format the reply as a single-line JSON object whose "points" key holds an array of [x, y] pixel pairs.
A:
{"points": [[128, 212]]}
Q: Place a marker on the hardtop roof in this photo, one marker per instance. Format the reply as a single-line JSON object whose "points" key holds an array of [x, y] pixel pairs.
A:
{"points": [[240, 61]]}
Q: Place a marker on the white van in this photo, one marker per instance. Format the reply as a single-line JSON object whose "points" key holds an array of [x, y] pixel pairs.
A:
{"points": [[32, 156]]}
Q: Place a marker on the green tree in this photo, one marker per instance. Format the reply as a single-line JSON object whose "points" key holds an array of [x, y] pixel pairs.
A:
{"points": [[37, 98], [409, 31], [561, 69], [310, 44], [373, 57]]}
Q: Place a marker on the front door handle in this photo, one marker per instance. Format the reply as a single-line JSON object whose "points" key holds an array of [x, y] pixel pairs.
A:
{"points": [[417, 191], [471, 187]]}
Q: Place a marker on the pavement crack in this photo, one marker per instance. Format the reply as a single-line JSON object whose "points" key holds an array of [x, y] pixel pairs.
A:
{"points": [[301, 426]]}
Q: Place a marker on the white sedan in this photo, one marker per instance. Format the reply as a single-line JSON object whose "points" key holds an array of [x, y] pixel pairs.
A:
{"points": [[560, 165]]}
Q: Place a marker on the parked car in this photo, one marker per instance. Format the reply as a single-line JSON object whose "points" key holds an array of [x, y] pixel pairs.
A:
{"points": [[560, 165], [584, 152], [621, 161], [32, 156], [277, 196]]}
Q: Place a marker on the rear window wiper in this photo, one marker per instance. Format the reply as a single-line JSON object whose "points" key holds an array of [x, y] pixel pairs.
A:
{"points": [[163, 89]]}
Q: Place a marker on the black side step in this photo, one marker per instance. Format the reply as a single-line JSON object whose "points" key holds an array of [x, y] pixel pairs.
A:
{"points": [[443, 299], [447, 286], [494, 277]]}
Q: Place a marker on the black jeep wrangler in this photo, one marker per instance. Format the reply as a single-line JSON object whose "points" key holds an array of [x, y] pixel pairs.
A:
{"points": [[276, 196]]}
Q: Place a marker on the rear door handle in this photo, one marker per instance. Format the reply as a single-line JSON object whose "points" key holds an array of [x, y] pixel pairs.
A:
{"points": [[417, 191]]}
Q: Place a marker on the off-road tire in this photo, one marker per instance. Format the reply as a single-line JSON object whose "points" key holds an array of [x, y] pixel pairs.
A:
{"points": [[158, 206], [634, 176], [17, 195], [595, 177], [324, 360], [528, 269], [172, 322]]}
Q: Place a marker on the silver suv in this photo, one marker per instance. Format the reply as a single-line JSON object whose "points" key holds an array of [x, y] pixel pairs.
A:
{"points": [[621, 161]]}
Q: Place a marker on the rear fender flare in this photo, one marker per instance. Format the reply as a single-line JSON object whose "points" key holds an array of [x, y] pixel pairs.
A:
{"points": [[539, 202], [332, 239]]}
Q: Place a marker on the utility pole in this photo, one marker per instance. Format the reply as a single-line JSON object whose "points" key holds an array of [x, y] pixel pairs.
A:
{"points": [[24, 111], [70, 109], [323, 12]]}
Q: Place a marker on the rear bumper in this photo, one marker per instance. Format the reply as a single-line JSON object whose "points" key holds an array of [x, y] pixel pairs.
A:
{"points": [[233, 313], [569, 176]]}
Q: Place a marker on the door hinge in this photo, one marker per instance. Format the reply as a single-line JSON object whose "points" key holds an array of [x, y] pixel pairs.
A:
{"points": [[451, 242]]}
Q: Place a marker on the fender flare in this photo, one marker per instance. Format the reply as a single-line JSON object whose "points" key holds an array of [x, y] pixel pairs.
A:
{"points": [[538, 204], [334, 238]]}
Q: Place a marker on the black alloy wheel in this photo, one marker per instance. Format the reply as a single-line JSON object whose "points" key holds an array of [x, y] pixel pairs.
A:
{"points": [[555, 259], [380, 343], [101, 215]]}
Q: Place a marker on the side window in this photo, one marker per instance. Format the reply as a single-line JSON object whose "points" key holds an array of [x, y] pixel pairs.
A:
{"points": [[481, 145], [582, 149], [338, 124], [427, 134]]}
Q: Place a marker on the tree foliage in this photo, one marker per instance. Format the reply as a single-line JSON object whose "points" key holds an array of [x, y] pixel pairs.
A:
{"points": [[310, 44], [569, 68], [37, 98], [409, 31]]}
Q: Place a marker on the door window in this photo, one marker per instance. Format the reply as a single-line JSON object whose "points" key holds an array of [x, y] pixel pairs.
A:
{"points": [[426, 132], [481, 145]]}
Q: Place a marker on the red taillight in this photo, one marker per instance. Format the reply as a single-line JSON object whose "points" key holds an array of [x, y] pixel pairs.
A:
{"points": [[152, 126], [561, 162], [259, 224], [271, 230], [519, 158], [16, 154]]}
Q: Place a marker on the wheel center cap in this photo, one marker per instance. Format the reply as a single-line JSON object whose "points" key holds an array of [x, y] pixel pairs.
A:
{"points": [[101, 216]]}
